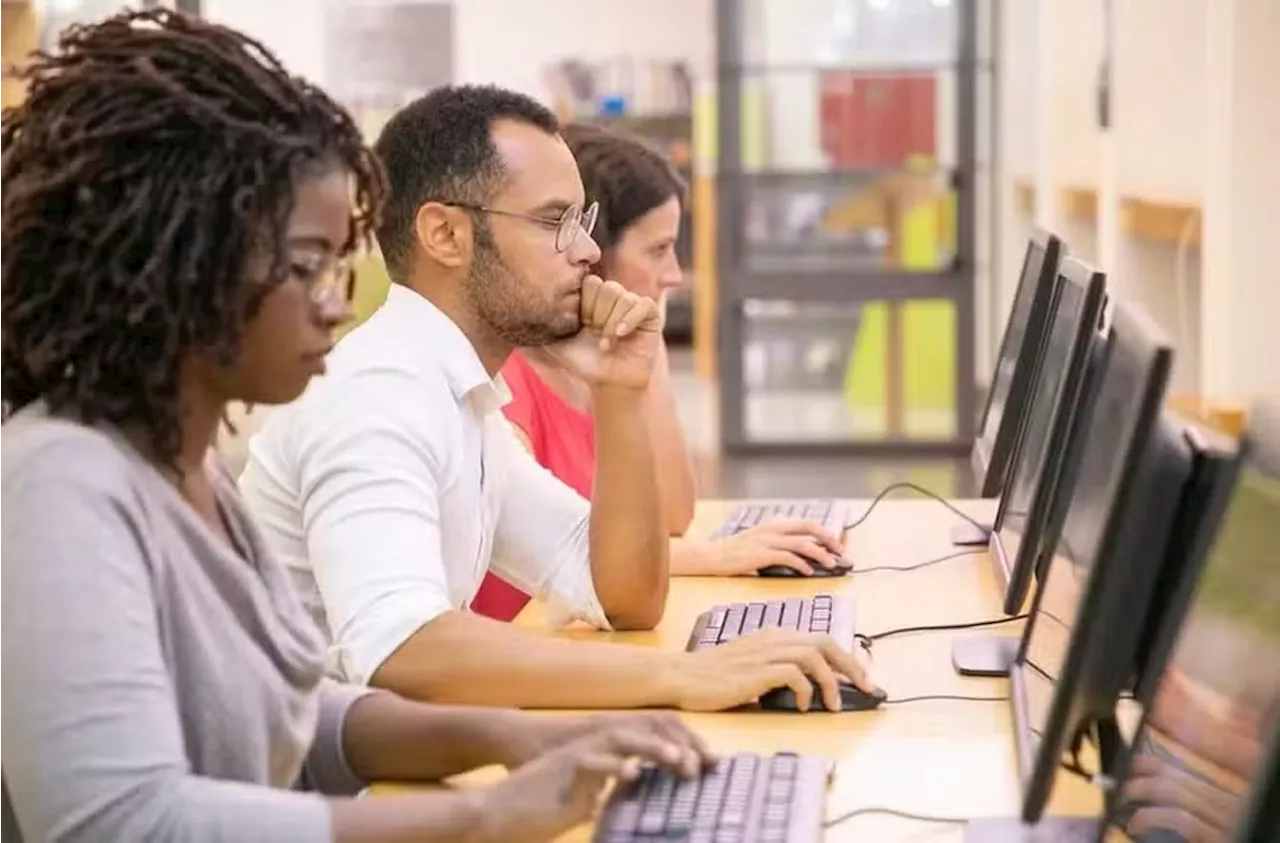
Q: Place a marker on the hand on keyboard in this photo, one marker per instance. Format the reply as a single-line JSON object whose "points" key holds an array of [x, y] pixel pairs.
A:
{"points": [[792, 542], [739, 671], [561, 789]]}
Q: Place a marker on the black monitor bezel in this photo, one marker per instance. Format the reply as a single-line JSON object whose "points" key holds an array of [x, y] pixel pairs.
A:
{"points": [[1217, 472], [1216, 462], [1088, 687], [990, 457], [1086, 348], [1262, 816]]}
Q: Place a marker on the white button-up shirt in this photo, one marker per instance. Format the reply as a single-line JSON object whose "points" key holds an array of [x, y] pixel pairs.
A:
{"points": [[394, 483]]}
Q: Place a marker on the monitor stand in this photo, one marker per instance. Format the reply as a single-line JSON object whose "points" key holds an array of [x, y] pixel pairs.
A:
{"points": [[1048, 830], [984, 655], [965, 534]]}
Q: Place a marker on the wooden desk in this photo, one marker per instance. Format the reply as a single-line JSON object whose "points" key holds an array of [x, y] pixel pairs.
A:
{"points": [[944, 757]]}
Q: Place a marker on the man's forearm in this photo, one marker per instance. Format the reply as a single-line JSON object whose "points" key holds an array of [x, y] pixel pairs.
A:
{"points": [[675, 469], [628, 535], [464, 658], [387, 737]]}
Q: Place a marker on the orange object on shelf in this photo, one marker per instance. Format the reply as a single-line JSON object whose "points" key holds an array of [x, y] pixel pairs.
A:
{"points": [[1225, 416]]}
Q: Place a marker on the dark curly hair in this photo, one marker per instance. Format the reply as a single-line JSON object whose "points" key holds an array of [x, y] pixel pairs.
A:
{"points": [[153, 154], [625, 174], [440, 148]]}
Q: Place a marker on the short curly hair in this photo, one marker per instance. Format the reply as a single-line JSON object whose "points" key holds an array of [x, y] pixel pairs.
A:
{"points": [[151, 150], [625, 174], [439, 148]]}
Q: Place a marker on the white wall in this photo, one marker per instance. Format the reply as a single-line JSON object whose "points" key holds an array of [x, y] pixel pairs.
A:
{"points": [[504, 42], [508, 42], [293, 29], [1251, 350], [1183, 133]]}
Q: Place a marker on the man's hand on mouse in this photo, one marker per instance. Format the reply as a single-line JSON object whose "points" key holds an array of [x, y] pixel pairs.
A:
{"points": [[794, 543], [740, 671]]}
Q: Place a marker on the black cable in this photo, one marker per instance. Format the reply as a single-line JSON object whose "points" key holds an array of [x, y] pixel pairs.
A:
{"points": [[951, 697], [918, 565], [893, 487], [946, 627], [894, 812]]}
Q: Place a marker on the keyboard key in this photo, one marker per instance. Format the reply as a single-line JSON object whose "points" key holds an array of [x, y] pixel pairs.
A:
{"points": [[772, 614], [733, 622], [791, 613]]}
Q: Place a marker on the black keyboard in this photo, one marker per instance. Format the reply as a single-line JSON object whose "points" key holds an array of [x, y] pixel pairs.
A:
{"points": [[760, 798], [744, 516], [821, 613]]}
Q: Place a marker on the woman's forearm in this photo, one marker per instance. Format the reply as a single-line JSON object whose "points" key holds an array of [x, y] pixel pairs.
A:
{"points": [[693, 557], [448, 817], [389, 738], [675, 469]]}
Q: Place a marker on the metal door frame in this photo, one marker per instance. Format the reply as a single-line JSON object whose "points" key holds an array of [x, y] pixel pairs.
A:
{"points": [[736, 284]]}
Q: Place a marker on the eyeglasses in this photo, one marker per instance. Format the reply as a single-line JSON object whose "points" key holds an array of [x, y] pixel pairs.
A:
{"points": [[331, 280], [575, 219]]}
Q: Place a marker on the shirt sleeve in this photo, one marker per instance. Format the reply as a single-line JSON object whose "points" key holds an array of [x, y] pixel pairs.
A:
{"points": [[325, 769], [93, 742], [541, 544], [369, 490]]}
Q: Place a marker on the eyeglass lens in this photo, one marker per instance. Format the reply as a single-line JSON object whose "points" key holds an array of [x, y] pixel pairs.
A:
{"points": [[575, 220]]}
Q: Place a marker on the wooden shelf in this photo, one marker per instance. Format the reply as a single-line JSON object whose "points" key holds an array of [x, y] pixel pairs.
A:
{"points": [[1156, 220]]}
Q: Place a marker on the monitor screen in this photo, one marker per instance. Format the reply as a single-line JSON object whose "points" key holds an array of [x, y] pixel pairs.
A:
{"points": [[1216, 705], [1035, 441], [1110, 433], [1014, 335]]}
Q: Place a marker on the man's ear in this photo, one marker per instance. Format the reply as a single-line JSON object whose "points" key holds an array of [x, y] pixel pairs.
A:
{"points": [[444, 233]]}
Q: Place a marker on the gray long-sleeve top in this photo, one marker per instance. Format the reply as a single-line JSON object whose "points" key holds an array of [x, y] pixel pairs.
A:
{"points": [[160, 685]]}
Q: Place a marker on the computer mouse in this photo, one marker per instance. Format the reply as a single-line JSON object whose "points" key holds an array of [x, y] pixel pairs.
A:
{"points": [[852, 698], [818, 571]]}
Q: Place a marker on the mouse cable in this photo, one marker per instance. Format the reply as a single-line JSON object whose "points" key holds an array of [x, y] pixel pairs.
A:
{"points": [[973, 551], [920, 490], [951, 697], [893, 812], [944, 627]]}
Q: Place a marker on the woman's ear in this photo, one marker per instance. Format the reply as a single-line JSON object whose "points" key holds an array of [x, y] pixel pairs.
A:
{"points": [[444, 233]]}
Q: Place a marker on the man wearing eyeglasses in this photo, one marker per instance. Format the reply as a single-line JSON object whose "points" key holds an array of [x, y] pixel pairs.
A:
{"points": [[395, 484]]}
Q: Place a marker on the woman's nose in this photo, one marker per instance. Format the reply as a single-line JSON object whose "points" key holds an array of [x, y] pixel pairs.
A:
{"points": [[671, 278]]}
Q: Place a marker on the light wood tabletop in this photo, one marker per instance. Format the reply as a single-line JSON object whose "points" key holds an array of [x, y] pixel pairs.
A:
{"points": [[947, 758]]}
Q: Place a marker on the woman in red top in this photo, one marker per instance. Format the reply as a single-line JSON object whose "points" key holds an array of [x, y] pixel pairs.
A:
{"points": [[640, 197]]}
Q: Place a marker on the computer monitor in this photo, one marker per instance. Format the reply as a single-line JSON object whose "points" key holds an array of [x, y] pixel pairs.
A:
{"points": [[1072, 341], [1206, 756], [1141, 797], [1078, 649], [1016, 363], [1214, 462]]}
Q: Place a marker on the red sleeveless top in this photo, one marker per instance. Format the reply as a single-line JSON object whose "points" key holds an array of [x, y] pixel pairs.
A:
{"points": [[564, 443]]}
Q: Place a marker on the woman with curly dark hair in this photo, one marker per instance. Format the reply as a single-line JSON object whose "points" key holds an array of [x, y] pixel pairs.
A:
{"points": [[178, 216]]}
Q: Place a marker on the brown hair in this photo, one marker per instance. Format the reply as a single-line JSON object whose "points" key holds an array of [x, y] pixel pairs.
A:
{"points": [[625, 174]]}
